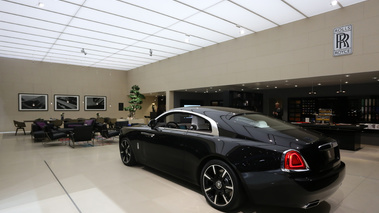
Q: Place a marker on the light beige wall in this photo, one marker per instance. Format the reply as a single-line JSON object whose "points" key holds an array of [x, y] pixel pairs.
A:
{"points": [[296, 50], [21, 76]]}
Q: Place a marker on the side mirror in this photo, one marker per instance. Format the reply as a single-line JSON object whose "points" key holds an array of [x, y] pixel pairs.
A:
{"points": [[152, 123]]}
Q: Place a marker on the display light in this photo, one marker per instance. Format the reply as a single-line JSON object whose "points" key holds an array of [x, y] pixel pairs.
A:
{"points": [[340, 91], [312, 92]]}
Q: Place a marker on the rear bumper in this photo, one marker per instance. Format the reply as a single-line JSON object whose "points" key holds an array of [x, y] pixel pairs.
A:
{"points": [[284, 189]]}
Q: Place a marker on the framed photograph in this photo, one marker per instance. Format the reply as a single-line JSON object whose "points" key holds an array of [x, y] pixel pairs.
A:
{"points": [[95, 103], [66, 102], [32, 102]]}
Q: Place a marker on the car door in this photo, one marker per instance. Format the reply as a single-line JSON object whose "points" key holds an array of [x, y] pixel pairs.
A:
{"points": [[164, 146], [198, 144]]}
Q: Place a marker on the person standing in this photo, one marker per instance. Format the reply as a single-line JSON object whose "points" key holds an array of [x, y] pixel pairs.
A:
{"points": [[278, 113]]}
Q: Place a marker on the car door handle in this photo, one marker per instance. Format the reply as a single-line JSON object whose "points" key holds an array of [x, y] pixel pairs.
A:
{"points": [[148, 134]]}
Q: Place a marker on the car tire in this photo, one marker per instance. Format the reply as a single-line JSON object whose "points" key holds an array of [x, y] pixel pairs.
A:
{"points": [[220, 186], [126, 152]]}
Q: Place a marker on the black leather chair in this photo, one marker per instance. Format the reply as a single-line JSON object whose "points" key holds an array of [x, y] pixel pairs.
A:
{"points": [[19, 125], [80, 134], [105, 133], [120, 124], [37, 130], [52, 134]]}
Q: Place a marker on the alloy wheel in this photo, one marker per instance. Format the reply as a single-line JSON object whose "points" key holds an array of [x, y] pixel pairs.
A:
{"points": [[126, 152], [218, 185]]}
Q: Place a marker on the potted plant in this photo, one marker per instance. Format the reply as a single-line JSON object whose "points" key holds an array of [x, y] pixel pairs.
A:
{"points": [[135, 101]]}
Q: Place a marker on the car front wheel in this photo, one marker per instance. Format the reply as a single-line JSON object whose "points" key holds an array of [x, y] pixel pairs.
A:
{"points": [[220, 186], [126, 152]]}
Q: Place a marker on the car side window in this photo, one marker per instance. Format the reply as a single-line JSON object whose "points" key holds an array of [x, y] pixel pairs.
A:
{"points": [[200, 124], [175, 120]]}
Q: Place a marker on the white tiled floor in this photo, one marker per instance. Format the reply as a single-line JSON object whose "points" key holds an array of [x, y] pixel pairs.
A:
{"points": [[96, 181]]}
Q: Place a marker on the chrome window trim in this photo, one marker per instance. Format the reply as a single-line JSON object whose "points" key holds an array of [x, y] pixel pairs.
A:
{"points": [[213, 123]]}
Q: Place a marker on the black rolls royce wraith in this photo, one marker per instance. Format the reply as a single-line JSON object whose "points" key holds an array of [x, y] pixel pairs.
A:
{"points": [[237, 155]]}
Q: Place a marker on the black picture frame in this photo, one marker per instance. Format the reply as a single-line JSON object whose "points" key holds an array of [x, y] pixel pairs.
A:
{"points": [[120, 106], [95, 103], [66, 102], [32, 102]]}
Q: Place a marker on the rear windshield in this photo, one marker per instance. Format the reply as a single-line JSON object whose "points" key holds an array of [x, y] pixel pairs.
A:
{"points": [[261, 121]]}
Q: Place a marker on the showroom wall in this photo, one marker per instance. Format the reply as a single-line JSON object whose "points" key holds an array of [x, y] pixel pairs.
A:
{"points": [[21, 76], [297, 50]]}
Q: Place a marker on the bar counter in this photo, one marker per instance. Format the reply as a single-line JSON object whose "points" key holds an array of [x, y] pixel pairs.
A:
{"points": [[347, 136]]}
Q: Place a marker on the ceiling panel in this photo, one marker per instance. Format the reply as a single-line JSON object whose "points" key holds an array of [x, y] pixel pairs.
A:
{"points": [[119, 34], [237, 15], [128, 12], [117, 21], [346, 3], [30, 10], [170, 9], [30, 21], [194, 41], [280, 14], [313, 7], [201, 5]]}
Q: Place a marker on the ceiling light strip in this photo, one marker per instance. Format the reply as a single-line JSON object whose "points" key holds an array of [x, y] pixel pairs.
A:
{"points": [[210, 14], [70, 45], [147, 58], [247, 9], [93, 31], [64, 29], [97, 22], [68, 56], [21, 32], [180, 20], [21, 55], [291, 6], [102, 11]]}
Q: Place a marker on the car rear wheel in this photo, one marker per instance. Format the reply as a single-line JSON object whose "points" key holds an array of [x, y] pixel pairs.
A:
{"points": [[220, 186], [126, 152]]}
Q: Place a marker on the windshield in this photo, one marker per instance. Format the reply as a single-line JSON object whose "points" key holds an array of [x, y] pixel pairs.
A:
{"points": [[261, 121]]}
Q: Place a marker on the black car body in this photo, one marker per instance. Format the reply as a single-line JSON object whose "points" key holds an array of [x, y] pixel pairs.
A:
{"points": [[236, 155]]}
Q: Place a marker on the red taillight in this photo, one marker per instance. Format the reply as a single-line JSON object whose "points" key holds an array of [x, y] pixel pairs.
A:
{"points": [[294, 161]]}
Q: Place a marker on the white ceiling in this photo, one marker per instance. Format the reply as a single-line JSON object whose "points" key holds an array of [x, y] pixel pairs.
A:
{"points": [[121, 34]]}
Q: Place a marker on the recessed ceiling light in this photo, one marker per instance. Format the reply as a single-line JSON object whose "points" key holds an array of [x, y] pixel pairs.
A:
{"points": [[319, 84], [346, 82], [296, 85], [375, 78], [187, 39], [347, 76], [276, 87], [334, 2]]}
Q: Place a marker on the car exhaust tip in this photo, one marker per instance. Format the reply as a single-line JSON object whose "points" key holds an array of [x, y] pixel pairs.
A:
{"points": [[311, 204]]}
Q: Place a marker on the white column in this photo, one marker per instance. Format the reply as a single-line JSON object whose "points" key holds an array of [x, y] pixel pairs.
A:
{"points": [[169, 100]]}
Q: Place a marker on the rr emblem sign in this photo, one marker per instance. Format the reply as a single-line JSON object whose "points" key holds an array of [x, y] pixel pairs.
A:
{"points": [[343, 40]]}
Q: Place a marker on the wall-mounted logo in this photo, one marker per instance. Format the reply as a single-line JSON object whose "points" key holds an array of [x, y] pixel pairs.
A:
{"points": [[343, 40]]}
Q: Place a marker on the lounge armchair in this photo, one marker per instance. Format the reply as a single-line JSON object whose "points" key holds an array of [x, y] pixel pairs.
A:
{"points": [[105, 133], [52, 134], [81, 133], [37, 130]]}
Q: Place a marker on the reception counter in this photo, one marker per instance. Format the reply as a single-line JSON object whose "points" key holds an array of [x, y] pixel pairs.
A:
{"points": [[347, 136]]}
